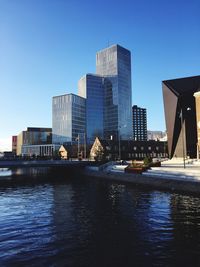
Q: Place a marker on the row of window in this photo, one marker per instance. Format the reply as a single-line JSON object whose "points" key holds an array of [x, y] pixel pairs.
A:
{"points": [[135, 148], [143, 155]]}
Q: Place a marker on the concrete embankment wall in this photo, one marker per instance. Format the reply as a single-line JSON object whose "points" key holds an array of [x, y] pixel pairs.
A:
{"points": [[162, 183]]}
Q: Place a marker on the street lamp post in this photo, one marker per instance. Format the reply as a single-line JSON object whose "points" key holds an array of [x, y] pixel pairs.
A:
{"points": [[119, 139], [197, 104], [198, 140], [78, 147], [183, 137], [85, 150], [183, 134], [85, 145], [119, 147]]}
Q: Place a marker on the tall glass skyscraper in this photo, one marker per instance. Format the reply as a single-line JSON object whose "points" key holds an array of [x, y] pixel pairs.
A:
{"points": [[114, 64], [68, 122], [91, 88], [103, 107]]}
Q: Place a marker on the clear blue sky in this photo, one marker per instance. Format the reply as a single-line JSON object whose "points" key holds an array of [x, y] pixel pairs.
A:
{"points": [[47, 45]]}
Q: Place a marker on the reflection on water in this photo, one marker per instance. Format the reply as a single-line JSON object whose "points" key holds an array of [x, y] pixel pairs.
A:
{"points": [[84, 222], [5, 172]]}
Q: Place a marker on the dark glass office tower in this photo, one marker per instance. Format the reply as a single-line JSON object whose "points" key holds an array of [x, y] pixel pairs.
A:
{"points": [[114, 64], [139, 123]]}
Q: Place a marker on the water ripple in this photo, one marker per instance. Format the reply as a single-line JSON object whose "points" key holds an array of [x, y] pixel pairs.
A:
{"points": [[93, 223]]}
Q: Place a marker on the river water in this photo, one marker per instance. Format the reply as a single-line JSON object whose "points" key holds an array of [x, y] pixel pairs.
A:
{"points": [[89, 222]]}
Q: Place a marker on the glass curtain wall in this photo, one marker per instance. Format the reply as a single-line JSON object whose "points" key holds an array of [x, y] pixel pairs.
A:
{"points": [[91, 87], [114, 63], [68, 118]]}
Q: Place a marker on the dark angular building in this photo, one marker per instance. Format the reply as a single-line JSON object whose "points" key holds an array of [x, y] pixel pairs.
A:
{"points": [[180, 115]]}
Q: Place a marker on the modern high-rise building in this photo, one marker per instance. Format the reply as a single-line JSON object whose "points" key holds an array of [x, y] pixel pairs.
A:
{"points": [[139, 123], [180, 115], [91, 88], [114, 64], [68, 119], [103, 104]]}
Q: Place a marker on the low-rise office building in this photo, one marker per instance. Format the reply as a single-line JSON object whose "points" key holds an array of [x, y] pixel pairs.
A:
{"points": [[33, 136], [48, 150], [127, 149]]}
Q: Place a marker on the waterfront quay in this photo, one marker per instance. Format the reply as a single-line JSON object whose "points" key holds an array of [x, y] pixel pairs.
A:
{"points": [[19, 172], [41, 163], [171, 176]]}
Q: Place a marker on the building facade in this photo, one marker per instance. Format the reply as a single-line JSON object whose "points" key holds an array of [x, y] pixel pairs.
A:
{"points": [[68, 119], [180, 115], [48, 150], [156, 135], [14, 144], [91, 88], [114, 64], [139, 123], [103, 105], [104, 149], [197, 101], [33, 136]]}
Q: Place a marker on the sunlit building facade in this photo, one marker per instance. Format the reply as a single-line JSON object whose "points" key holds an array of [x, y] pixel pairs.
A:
{"points": [[197, 101], [156, 135], [14, 144], [48, 150], [91, 88], [103, 105], [33, 136], [114, 64], [68, 119]]}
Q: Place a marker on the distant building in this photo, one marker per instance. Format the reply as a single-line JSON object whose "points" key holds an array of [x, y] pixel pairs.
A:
{"points": [[14, 144], [139, 123], [33, 136], [68, 125], [156, 135], [180, 115], [105, 149], [47, 150]]}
